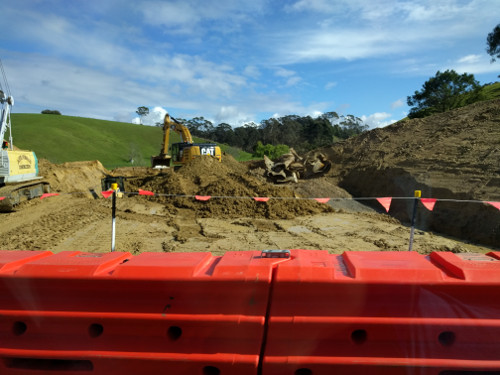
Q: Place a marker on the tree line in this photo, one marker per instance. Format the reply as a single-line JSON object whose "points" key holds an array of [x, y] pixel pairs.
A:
{"points": [[303, 133]]}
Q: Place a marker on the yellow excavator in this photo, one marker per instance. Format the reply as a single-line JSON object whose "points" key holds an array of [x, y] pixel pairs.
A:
{"points": [[184, 151]]}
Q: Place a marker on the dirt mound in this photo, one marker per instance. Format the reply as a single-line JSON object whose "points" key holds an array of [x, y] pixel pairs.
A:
{"points": [[76, 177], [453, 155], [232, 189]]}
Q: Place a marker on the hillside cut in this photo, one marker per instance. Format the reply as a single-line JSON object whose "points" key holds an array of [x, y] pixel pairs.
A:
{"points": [[452, 155]]}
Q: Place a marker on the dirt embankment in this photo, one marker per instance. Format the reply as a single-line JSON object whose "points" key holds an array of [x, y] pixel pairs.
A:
{"points": [[453, 155]]}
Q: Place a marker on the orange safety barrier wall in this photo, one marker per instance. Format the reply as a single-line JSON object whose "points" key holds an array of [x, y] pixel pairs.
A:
{"points": [[308, 312], [384, 313], [155, 313]]}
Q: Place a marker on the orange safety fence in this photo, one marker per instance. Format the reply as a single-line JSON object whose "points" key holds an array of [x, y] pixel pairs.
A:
{"points": [[297, 312]]}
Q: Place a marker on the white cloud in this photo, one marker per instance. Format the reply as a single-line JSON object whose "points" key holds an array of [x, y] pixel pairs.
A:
{"points": [[187, 16], [312, 5], [291, 76], [473, 64], [176, 15], [155, 116], [378, 119], [382, 28], [398, 103], [330, 85], [292, 81], [282, 72], [315, 114], [469, 59], [252, 71], [232, 115]]}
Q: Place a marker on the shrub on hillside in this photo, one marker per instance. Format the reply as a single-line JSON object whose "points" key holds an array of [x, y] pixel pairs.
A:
{"points": [[269, 150], [50, 112]]}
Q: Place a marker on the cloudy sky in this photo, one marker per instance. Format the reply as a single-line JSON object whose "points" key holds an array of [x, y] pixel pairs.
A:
{"points": [[236, 61]]}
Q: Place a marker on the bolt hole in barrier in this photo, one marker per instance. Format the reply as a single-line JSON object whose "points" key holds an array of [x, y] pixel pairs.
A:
{"points": [[303, 371], [210, 370], [359, 336], [19, 328], [174, 333], [447, 338], [95, 330]]}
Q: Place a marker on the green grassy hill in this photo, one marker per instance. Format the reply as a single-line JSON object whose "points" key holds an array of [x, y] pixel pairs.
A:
{"points": [[491, 91], [61, 139]]}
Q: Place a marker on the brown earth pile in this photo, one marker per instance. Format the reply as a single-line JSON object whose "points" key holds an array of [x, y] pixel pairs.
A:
{"points": [[77, 177], [232, 190], [453, 155]]}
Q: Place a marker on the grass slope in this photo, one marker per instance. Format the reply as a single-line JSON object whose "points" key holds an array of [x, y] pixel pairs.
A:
{"points": [[115, 144], [491, 91]]}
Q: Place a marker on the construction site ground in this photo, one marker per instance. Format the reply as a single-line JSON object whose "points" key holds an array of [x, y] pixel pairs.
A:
{"points": [[229, 221], [452, 155]]}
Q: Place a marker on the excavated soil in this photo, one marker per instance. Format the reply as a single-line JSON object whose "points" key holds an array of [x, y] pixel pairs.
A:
{"points": [[453, 155]]}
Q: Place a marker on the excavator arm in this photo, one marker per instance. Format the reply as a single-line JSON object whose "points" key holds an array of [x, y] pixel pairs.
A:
{"points": [[166, 138], [179, 128], [163, 160], [170, 123]]}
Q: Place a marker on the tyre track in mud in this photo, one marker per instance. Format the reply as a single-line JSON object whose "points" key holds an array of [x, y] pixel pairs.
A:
{"points": [[51, 222]]}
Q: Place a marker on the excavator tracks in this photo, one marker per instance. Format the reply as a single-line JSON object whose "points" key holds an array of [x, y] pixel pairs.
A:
{"points": [[12, 195]]}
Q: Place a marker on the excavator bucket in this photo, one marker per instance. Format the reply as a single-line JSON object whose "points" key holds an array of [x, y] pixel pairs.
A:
{"points": [[160, 161]]}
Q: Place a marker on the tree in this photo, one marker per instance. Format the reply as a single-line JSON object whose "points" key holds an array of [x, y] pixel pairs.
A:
{"points": [[443, 92], [493, 43], [270, 151], [246, 137], [50, 112], [142, 111], [223, 133], [200, 127]]}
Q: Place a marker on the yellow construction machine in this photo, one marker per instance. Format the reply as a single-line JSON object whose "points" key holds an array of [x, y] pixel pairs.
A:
{"points": [[19, 179], [184, 151]]}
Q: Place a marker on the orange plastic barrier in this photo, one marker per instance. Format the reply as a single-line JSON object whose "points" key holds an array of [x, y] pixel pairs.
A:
{"points": [[384, 313], [155, 313], [297, 312]]}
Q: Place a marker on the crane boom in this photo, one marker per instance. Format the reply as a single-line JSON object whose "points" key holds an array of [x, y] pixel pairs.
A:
{"points": [[7, 102]]}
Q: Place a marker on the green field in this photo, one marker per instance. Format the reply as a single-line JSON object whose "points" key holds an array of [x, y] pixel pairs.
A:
{"points": [[62, 139]]}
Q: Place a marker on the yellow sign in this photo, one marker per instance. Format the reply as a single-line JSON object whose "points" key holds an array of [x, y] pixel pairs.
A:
{"points": [[21, 162]]}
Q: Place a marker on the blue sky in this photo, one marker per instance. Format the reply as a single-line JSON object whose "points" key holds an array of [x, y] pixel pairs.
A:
{"points": [[238, 61]]}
